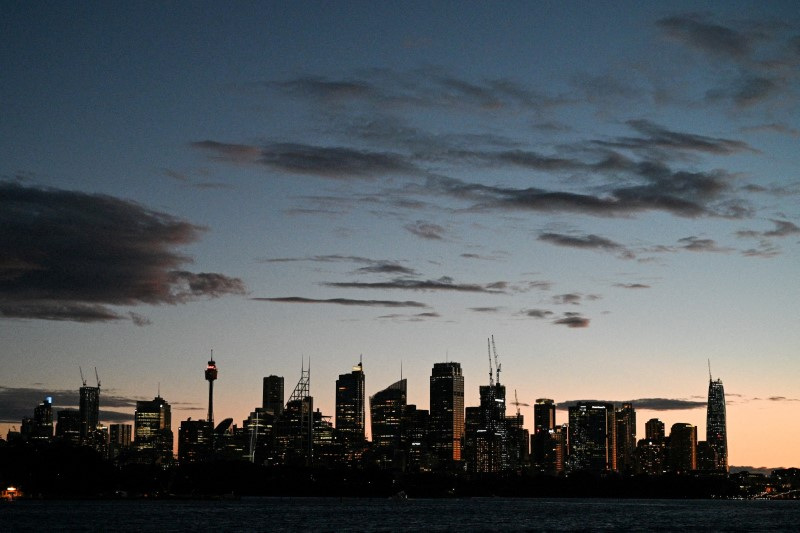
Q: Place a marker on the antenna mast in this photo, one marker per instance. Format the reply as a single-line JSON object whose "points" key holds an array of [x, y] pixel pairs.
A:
{"points": [[709, 371]]}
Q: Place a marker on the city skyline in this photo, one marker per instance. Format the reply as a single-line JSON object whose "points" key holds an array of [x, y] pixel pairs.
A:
{"points": [[611, 190]]}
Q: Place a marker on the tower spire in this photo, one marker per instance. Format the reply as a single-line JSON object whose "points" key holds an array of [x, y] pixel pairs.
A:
{"points": [[709, 371]]}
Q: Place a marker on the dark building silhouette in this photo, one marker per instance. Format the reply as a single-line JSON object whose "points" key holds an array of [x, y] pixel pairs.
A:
{"points": [[591, 437], [543, 442], [416, 439], [272, 394], [654, 430], [120, 437], [491, 438], [387, 409], [68, 425], [152, 427], [89, 409], [626, 438], [682, 448], [194, 441], [40, 427], [294, 428], [447, 410], [350, 412], [651, 456], [716, 427], [544, 415]]}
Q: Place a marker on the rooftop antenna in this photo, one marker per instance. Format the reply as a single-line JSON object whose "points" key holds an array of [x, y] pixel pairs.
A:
{"points": [[83, 379], [709, 371], [159, 390], [401, 370]]}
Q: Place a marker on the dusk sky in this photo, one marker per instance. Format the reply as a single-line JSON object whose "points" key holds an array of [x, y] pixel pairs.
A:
{"points": [[611, 189]]}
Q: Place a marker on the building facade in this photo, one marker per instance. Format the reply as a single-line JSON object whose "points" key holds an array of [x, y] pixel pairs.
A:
{"points": [[447, 411], [272, 394], [716, 426], [591, 437], [350, 411], [152, 426]]}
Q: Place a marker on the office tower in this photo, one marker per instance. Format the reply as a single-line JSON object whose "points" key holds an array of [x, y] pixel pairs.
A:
{"points": [[68, 427], [350, 414], [272, 398], [517, 442], [89, 409], [544, 415], [654, 430], [194, 441], [294, 429], [152, 426], [559, 436], [543, 442], [211, 375], [119, 439], [447, 410], [651, 456], [682, 449], [591, 437], [387, 408], [326, 450], [416, 439], [43, 420], [472, 423], [716, 430], [626, 438], [491, 438]]}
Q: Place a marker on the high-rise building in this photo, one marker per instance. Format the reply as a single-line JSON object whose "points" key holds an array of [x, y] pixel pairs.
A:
{"points": [[152, 423], [350, 413], [491, 440], [716, 429], [43, 420], [194, 441], [626, 438], [682, 449], [651, 456], [654, 430], [591, 437], [416, 439], [272, 394], [294, 428], [89, 408], [68, 427], [387, 408], [447, 410], [119, 439], [544, 415]]}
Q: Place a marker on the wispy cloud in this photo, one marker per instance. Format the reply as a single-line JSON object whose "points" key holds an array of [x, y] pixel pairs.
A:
{"points": [[342, 301], [441, 284], [572, 320], [632, 285], [589, 242], [69, 255], [426, 230], [696, 244], [652, 404]]}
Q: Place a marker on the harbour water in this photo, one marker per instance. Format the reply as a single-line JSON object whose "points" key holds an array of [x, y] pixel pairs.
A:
{"points": [[333, 514]]}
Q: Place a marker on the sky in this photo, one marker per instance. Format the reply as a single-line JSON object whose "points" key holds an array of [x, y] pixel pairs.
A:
{"points": [[609, 189]]}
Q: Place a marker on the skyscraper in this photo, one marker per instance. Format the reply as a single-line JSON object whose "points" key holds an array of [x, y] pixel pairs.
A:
{"points": [[272, 394], [626, 438], [194, 441], [43, 420], [447, 410], [89, 409], [350, 415], [654, 429], [491, 437], [682, 451], [544, 443], [294, 429], [387, 408], [591, 437], [152, 427], [716, 429], [544, 415]]}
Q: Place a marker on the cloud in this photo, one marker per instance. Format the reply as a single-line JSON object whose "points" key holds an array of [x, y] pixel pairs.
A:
{"points": [[783, 228], [342, 301], [586, 242], [782, 399], [412, 318], [745, 91], [373, 266], [485, 309], [774, 127], [17, 403], [322, 161], [442, 284], [652, 404], [696, 244], [573, 320], [426, 230], [569, 298], [660, 138], [632, 285], [68, 255], [710, 38], [537, 313]]}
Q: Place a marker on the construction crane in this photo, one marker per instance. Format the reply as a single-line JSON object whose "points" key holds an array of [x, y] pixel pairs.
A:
{"points": [[83, 379], [518, 403], [491, 373], [97, 377], [496, 361]]}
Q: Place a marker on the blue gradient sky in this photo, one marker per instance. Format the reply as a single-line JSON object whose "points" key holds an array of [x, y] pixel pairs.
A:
{"points": [[610, 189]]}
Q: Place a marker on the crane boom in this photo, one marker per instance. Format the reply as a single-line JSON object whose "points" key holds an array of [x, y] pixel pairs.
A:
{"points": [[491, 374], [496, 361], [83, 379]]}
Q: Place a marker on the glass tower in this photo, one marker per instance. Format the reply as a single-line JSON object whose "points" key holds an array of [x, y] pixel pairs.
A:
{"points": [[447, 410], [716, 432], [350, 406]]}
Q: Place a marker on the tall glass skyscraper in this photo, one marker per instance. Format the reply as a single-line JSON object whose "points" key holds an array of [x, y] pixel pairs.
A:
{"points": [[89, 409], [350, 407], [716, 428], [272, 397], [387, 409], [447, 410], [152, 427]]}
